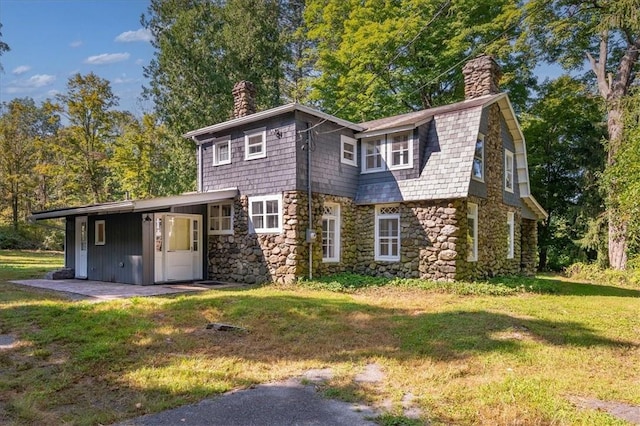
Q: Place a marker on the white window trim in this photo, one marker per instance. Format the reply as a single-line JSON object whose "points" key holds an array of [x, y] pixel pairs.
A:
{"points": [[387, 153], [264, 199], [409, 164], [364, 156], [223, 231], [511, 227], [378, 216], [472, 213], [484, 145], [508, 159], [104, 233], [336, 217], [347, 140], [261, 131], [216, 143]]}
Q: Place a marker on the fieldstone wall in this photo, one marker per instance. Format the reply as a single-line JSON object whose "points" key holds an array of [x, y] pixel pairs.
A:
{"points": [[481, 77], [257, 258], [529, 247]]}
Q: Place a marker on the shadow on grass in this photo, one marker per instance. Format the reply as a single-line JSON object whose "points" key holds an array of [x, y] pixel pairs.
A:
{"points": [[551, 285], [180, 361]]}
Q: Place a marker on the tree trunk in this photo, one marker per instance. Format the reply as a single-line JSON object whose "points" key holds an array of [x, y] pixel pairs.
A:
{"points": [[617, 227]]}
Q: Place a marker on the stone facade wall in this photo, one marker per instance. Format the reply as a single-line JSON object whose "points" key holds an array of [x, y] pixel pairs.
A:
{"points": [[529, 247], [481, 77], [492, 215], [257, 258]]}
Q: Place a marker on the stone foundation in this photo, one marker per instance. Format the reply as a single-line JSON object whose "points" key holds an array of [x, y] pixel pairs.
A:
{"points": [[529, 253]]}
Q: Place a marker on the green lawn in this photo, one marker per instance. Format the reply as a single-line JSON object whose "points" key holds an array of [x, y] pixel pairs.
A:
{"points": [[514, 352]]}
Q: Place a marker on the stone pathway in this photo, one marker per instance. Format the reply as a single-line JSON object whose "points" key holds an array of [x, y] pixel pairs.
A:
{"points": [[628, 412]]}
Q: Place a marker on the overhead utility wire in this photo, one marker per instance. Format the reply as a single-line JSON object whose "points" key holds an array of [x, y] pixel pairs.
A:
{"points": [[396, 56]]}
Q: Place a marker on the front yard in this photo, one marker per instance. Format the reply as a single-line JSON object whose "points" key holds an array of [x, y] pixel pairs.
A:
{"points": [[494, 357]]}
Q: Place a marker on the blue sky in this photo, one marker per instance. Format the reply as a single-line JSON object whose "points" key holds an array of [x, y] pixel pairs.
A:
{"points": [[51, 40]]}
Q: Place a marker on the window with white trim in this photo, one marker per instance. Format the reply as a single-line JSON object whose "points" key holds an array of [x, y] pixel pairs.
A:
{"points": [[387, 152], [265, 214], [100, 238], [222, 151], [472, 232], [510, 235], [508, 170], [255, 145], [477, 172], [221, 218], [331, 232], [387, 233], [348, 150]]}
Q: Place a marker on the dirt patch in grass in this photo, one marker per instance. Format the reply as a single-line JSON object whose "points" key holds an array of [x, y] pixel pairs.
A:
{"points": [[628, 412]]}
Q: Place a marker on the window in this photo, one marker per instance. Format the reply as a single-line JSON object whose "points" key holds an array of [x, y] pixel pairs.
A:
{"points": [[387, 233], [400, 153], [472, 232], [508, 170], [222, 151], [255, 144], [478, 159], [331, 233], [100, 233], [372, 152], [348, 150], [510, 235], [265, 213], [388, 152], [221, 219]]}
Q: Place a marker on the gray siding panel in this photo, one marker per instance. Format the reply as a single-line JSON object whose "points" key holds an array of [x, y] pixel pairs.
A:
{"points": [[120, 259], [70, 242], [268, 175], [511, 198], [328, 174]]}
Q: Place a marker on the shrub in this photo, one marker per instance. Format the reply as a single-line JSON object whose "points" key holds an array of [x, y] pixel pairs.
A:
{"points": [[596, 274]]}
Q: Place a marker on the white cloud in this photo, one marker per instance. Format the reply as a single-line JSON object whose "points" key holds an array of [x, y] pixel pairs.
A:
{"points": [[123, 80], [53, 92], [29, 84], [21, 69], [130, 36], [76, 43], [107, 58]]}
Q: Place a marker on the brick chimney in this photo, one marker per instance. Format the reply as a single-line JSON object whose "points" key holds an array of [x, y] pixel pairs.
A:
{"points": [[481, 77], [244, 99]]}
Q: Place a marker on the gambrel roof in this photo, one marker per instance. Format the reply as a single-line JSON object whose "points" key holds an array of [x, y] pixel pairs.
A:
{"points": [[446, 170]]}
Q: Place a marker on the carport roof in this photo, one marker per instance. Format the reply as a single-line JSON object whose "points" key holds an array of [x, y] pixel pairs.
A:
{"points": [[129, 206]]}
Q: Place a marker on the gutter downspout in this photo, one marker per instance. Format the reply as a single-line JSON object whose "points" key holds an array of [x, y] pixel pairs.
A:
{"points": [[199, 171], [310, 204]]}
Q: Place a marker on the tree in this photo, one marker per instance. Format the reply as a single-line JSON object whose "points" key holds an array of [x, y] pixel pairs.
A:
{"points": [[607, 34], [88, 105], [149, 161], [24, 127], [380, 58], [202, 49], [564, 131]]}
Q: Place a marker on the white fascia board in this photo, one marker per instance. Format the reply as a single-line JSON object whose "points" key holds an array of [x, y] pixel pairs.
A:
{"points": [[536, 207], [119, 207], [184, 199], [385, 131], [267, 114]]}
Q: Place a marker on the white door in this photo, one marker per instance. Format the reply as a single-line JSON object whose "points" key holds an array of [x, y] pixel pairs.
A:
{"points": [[81, 246], [178, 253]]}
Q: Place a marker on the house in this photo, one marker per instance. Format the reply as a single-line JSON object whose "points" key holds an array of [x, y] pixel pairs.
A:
{"points": [[293, 192]]}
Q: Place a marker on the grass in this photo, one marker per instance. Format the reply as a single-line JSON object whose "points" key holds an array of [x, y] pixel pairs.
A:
{"points": [[510, 351]]}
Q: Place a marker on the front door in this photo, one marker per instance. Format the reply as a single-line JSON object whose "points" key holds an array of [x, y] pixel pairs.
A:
{"points": [[81, 247], [178, 247]]}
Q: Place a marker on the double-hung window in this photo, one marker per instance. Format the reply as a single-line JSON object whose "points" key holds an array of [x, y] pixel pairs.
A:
{"points": [[478, 159], [472, 231], [255, 144], [387, 152], [348, 150], [331, 232], [222, 151], [221, 218], [508, 170], [510, 235], [265, 214], [387, 233]]}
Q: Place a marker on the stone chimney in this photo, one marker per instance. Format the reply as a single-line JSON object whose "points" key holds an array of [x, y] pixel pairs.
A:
{"points": [[244, 99], [481, 77]]}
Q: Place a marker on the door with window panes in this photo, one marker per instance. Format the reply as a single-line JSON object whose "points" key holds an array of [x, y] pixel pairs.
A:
{"points": [[178, 247]]}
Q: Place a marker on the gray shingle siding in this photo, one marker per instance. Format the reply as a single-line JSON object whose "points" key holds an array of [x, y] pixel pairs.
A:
{"points": [[511, 198], [328, 174], [261, 176]]}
